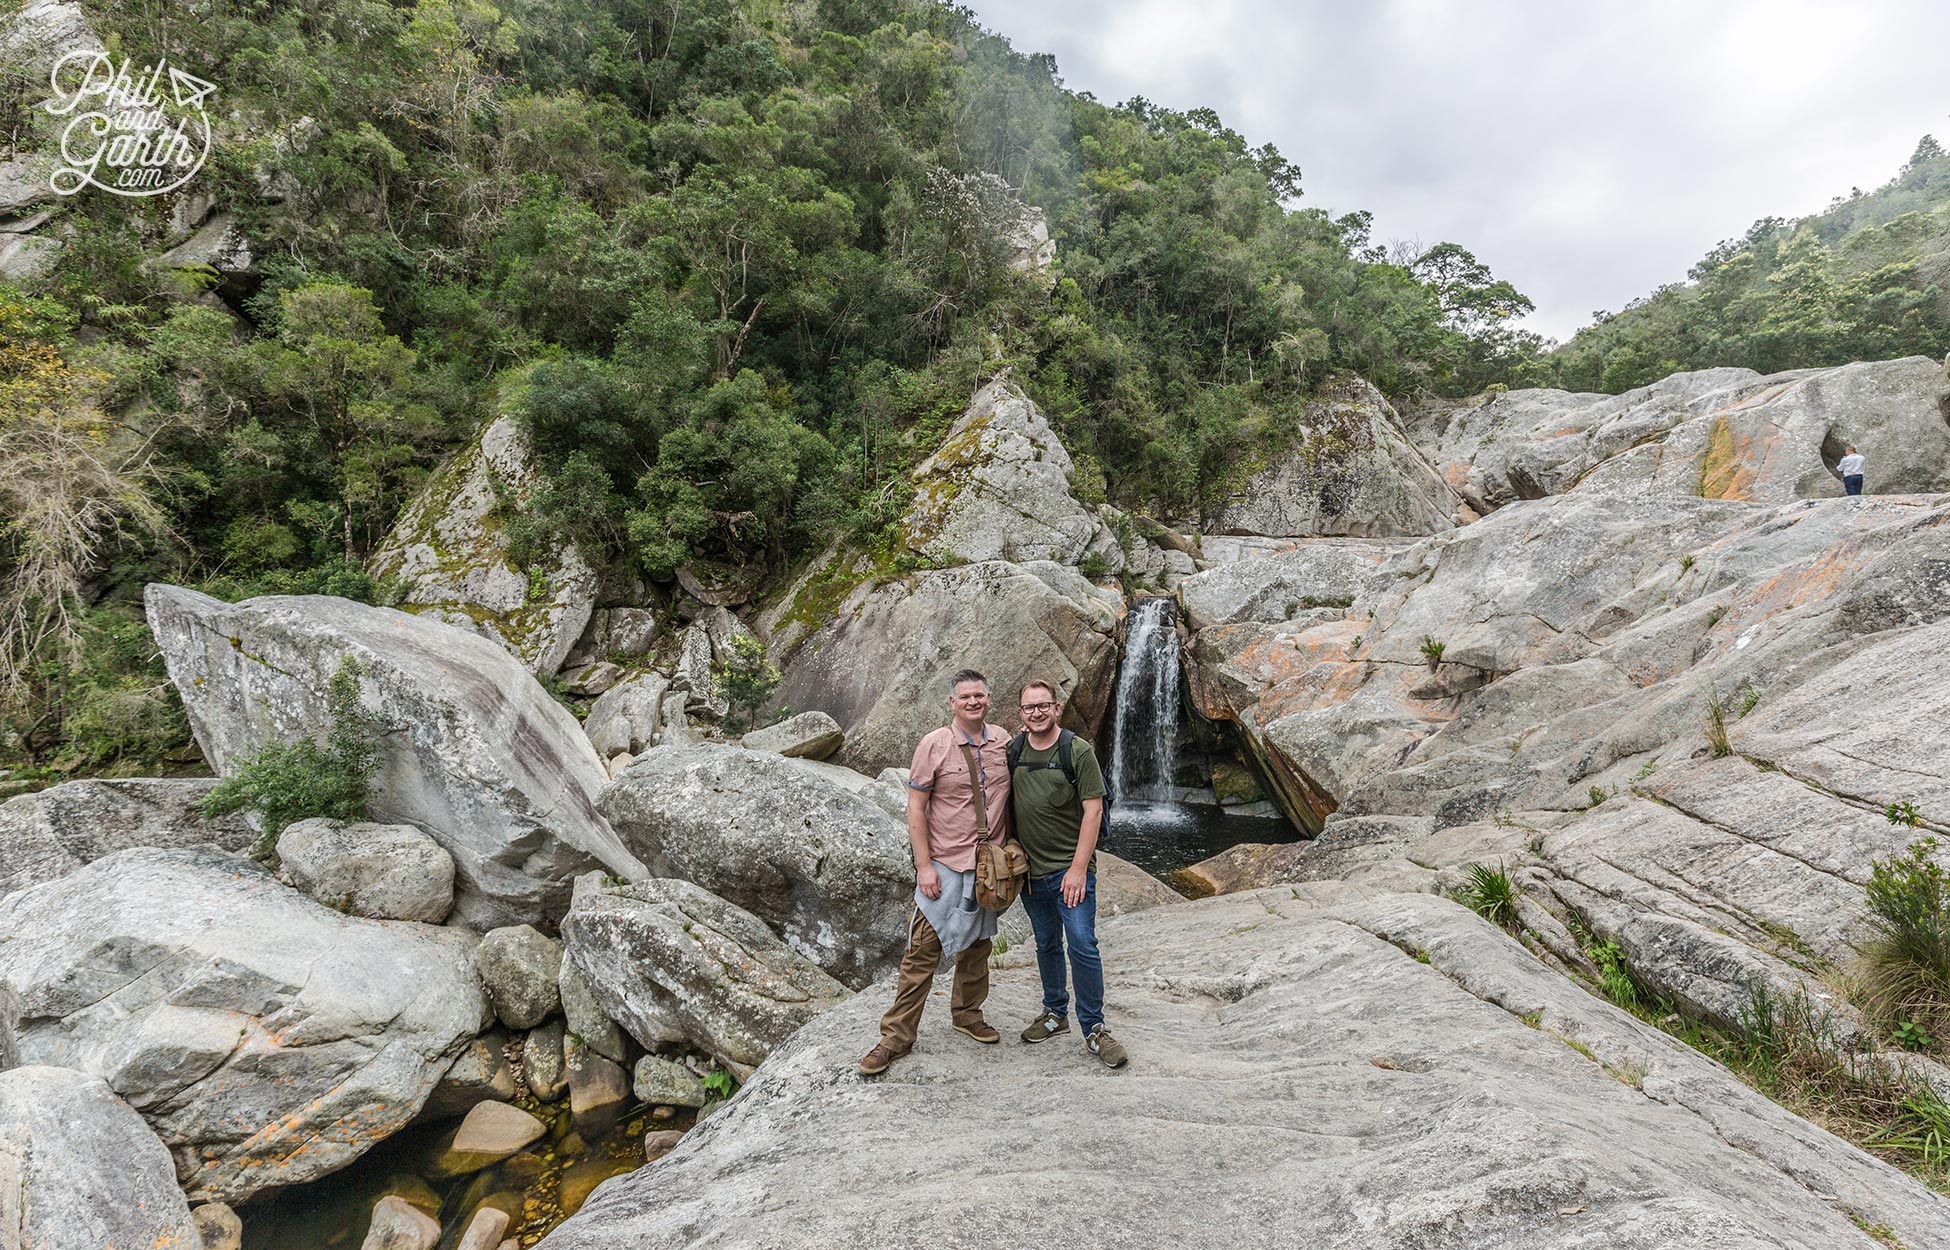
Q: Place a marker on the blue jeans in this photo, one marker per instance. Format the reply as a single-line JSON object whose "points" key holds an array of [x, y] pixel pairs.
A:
{"points": [[1852, 483], [1058, 924]]}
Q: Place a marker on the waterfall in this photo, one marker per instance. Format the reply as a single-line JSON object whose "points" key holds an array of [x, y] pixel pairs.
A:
{"points": [[1144, 735]]}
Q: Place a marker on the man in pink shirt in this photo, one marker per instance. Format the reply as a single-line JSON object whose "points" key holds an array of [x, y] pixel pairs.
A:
{"points": [[958, 794]]}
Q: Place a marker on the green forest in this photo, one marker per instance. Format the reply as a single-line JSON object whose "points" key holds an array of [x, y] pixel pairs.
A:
{"points": [[735, 265]]}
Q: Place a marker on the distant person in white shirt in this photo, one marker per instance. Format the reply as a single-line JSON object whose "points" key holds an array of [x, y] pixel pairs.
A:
{"points": [[1851, 468]]}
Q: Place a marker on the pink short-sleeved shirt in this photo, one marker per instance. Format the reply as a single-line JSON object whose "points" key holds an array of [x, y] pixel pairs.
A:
{"points": [[941, 779]]}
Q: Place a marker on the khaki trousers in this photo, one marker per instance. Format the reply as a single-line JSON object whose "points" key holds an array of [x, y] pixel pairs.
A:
{"points": [[923, 956]]}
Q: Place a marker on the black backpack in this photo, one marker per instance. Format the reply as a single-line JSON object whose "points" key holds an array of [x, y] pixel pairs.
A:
{"points": [[1063, 740]]}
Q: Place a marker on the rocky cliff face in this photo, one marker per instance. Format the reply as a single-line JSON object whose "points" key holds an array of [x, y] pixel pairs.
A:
{"points": [[1715, 434]]}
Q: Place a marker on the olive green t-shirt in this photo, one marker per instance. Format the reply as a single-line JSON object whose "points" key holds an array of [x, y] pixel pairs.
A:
{"points": [[1048, 813]]}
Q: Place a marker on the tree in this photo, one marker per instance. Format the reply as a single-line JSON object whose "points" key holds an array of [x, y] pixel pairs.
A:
{"points": [[745, 678], [338, 364], [76, 480]]}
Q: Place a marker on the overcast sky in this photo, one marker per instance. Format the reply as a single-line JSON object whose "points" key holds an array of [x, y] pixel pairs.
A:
{"points": [[1587, 152]]}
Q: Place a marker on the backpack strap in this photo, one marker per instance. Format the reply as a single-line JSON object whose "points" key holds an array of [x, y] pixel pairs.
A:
{"points": [[1016, 745], [1063, 740]]}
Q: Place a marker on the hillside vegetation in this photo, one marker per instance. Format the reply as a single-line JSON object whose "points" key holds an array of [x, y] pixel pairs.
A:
{"points": [[1869, 279], [735, 264]]}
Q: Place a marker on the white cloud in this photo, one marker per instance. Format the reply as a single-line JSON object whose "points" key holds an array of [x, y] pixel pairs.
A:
{"points": [[1587, 152]]}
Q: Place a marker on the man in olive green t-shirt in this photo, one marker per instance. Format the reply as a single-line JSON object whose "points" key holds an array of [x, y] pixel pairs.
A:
{"points": [[1057, 823]]}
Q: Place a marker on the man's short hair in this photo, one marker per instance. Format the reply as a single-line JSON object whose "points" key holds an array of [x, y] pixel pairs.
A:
{"points": [[1038, 684], [967, 674]]}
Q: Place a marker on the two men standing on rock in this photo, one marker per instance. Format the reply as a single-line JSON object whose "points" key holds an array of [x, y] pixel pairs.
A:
{"points": [[959, 794]]}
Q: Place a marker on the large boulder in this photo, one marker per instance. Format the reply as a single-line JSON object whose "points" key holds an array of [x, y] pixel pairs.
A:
{"points": [[79, 1170], [825, 867], [1350, 470], [809, 735], [1716, 433], [451, 552], [250, 1025], [661, 951], [383, 872], [1474, 1099], [52, 832], [521, 969], [625, 719], [473, 750], [878, 659], [998, 488]]}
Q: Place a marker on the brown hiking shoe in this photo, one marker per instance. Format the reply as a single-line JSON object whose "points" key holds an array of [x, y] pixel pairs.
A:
{"points": [[982, 1031], [877, 1060], [1046, 1026], [1107, 1048]]}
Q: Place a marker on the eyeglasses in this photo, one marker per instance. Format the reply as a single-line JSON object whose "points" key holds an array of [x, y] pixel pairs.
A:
{"points": [[1039, 707]]}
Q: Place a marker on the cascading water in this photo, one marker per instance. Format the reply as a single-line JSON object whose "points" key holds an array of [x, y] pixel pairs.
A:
{"points": [[1144, 735], [1155, 822]]}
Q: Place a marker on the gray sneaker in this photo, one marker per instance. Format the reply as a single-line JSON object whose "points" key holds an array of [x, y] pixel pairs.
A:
{"points": [[1107, 1048], [1046, 1026]]}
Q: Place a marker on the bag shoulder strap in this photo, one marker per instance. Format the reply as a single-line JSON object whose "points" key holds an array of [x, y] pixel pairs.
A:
{"points": [[981, 793], [1016, 744]]}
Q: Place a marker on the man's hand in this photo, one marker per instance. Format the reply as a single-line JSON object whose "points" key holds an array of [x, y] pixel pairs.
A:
{"points": [[930, 881], [1074, 887]]}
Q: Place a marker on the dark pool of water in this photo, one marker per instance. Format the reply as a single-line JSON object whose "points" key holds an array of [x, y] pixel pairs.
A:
{"points": [[1164, 837]]}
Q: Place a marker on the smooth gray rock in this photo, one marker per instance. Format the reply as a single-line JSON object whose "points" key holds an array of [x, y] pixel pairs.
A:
{"points": [[661, 950], [828, 870], [1351, 471], [627, 715], [1300, 1040], [52, 832], [242, 1019], [1276, 586], [660, 1082], [67, 1144], [473, 750], [879, 661], [456, 566], [385, 872], [586, 1019], [541, 1060], [220, 244], [520, 968], [809, 735]]}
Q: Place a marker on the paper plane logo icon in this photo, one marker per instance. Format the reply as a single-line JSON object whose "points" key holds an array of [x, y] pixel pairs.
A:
{"points": [[189, 89]]}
